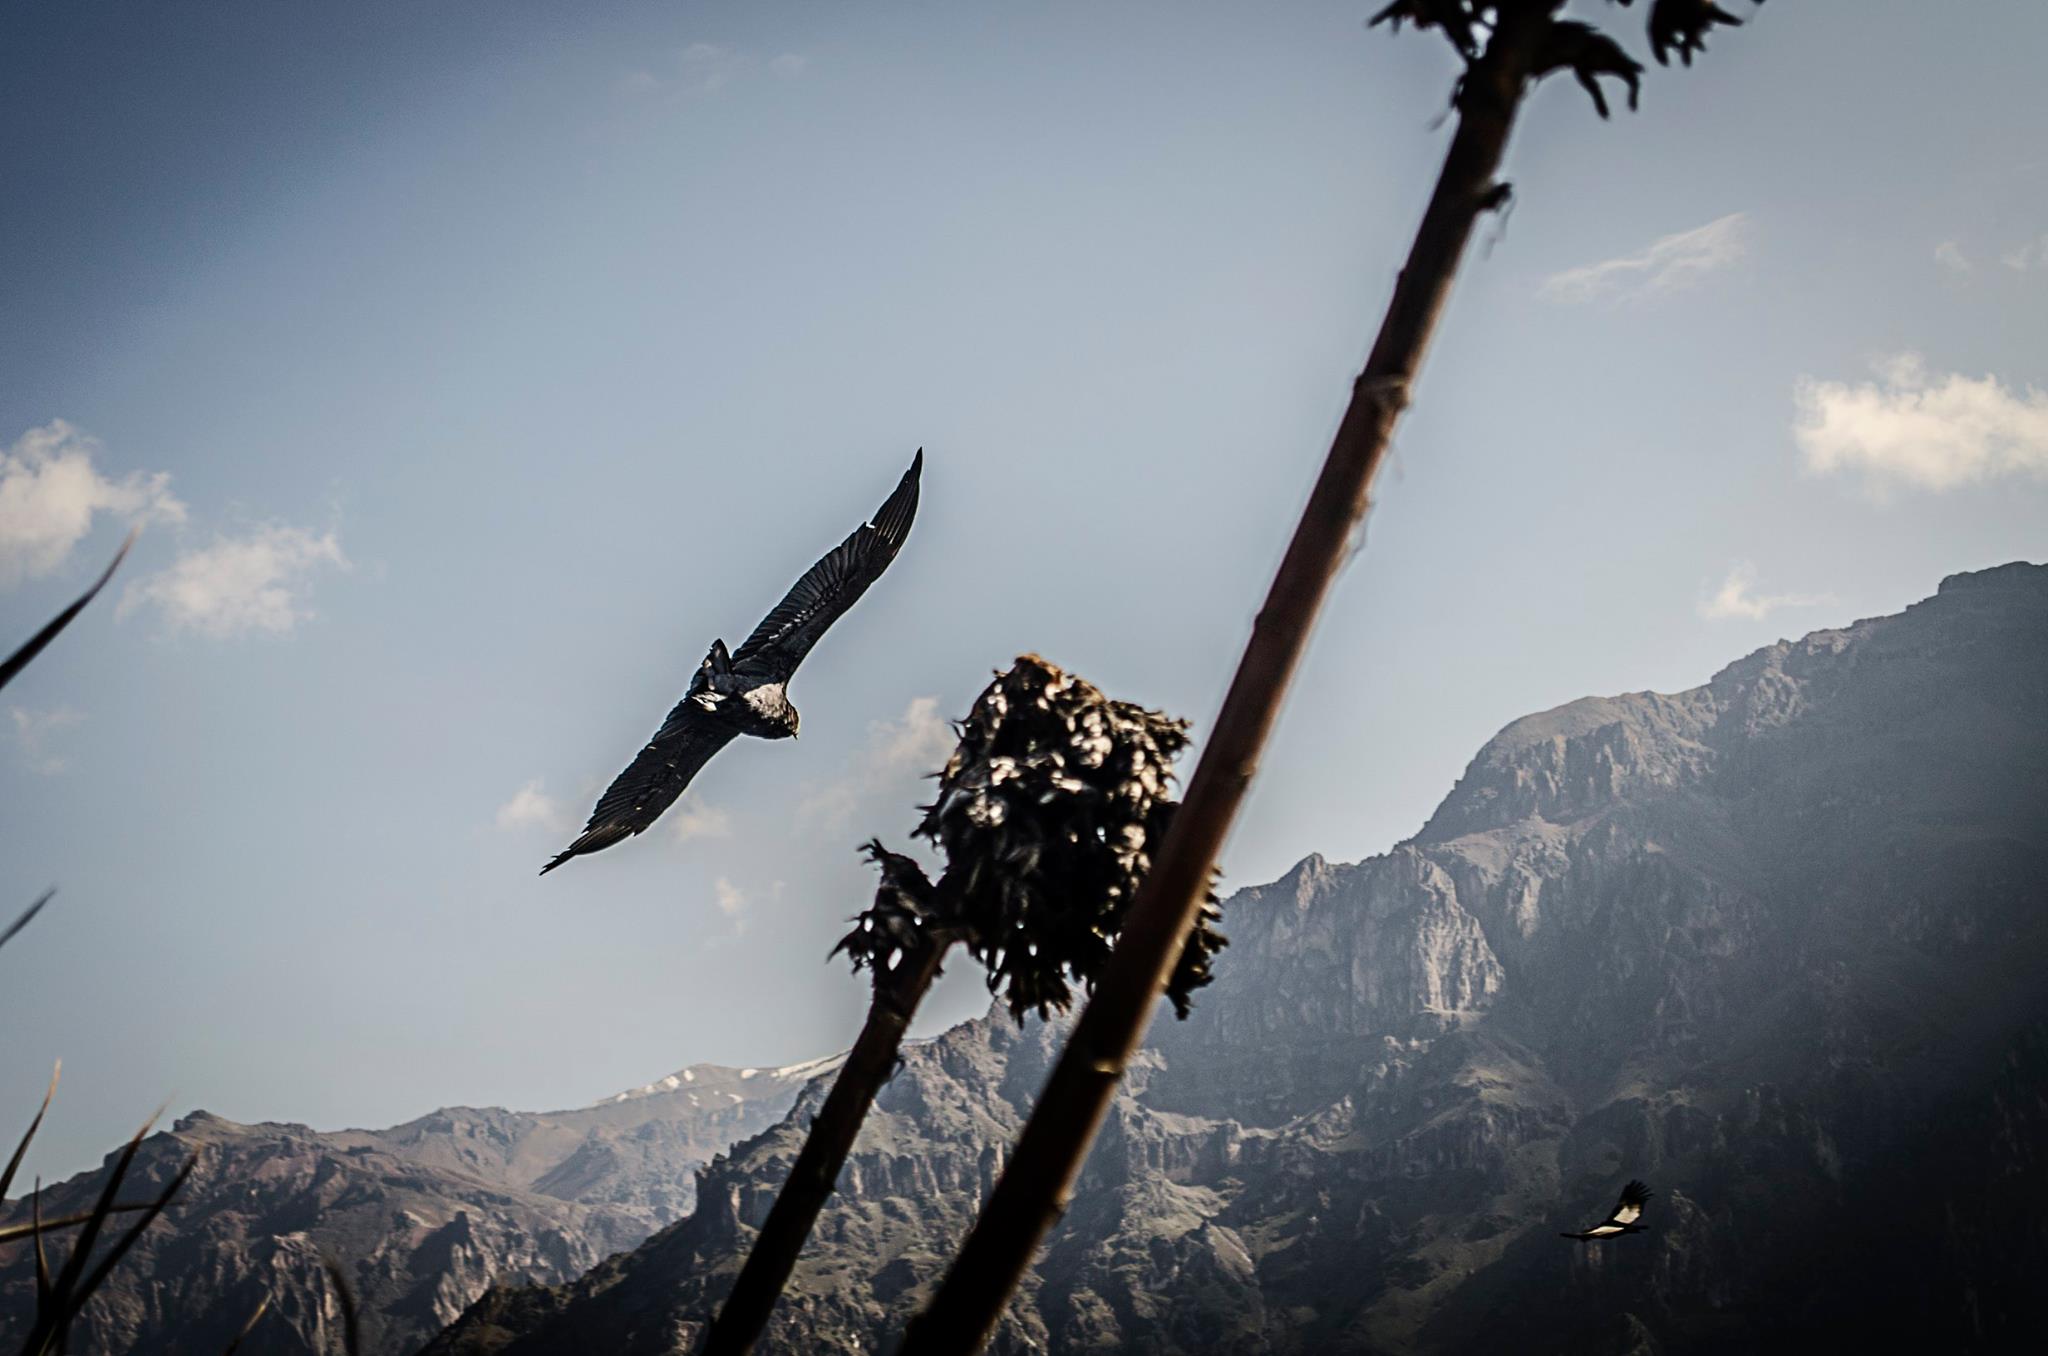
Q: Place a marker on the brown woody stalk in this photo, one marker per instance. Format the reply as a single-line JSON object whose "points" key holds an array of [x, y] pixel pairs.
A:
{"points": [[868, 1066], [1035, 1186], [1054, 794]]}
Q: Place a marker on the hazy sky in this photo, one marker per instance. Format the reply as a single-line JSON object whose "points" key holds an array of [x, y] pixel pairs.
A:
{"points": [[474, 364]]}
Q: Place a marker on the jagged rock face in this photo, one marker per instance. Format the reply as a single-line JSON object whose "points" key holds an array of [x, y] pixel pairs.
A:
{"points": [[422, 1217], [1776, 945]]}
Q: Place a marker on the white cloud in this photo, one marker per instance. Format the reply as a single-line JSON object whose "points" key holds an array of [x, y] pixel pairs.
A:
{"points": [[1667, 265], [50, 490], [2031, 255], [533, 808], [703, 69], [32, 731], [1951, 257], [1736, 598], [255, 582], [706, 66], [732, 902], [693, 817], [1921, 429], [896, 751]]}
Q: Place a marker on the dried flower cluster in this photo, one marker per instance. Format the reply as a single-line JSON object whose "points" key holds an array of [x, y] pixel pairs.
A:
{"points": [[1679, 26], [1047, 813]]}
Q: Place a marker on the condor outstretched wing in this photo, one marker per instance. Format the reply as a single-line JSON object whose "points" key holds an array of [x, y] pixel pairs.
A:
{"points": [[831, 586], [652, 781], [1629, 1208]]}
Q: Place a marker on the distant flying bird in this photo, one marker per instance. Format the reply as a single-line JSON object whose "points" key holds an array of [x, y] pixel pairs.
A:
{"points": [[745, 692], [1627, 1211]]}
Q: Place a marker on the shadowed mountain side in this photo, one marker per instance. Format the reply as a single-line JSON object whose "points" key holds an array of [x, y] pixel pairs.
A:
{"points": [[1773, 945], [422, 1216]]}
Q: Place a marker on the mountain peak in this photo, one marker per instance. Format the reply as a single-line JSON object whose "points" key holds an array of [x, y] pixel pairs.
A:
{"points": [[2019, 574], [1601, 754], [727, 1083]]}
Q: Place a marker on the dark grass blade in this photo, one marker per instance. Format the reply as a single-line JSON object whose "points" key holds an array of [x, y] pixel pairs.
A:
{"points": [[74, 1267], [17, 661], [345, 1294], [67, 1295], [248, 1327], [14, 1163], [127, 1240], [61, 1310], [12, 1232], [35, 1210], [20, 923]]}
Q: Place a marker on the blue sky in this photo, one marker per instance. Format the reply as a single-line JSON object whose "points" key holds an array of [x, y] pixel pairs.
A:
{"points": [[472, 366]]}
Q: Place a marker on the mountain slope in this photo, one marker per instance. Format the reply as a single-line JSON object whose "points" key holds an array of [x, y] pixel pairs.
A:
{"points": [[421, 1216], [1774, 944]]}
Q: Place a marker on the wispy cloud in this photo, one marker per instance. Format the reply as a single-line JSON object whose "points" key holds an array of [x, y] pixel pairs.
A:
{"points": [[1737, 597], [1920, 429], [694, 817], [254, 582], [531, 807], [1666, 265], [896, 752], [732, 902], [32, 731], [706, 67], [740, 906], [703, 69], [50, 492], [2027, 257], [1951, 257]]}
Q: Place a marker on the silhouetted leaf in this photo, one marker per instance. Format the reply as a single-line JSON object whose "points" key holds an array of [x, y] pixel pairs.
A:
{"points": [[1682, 26], [18, 924], [1451, 16], [248, 1327], [11, 1232], [14, 1163], [1589, 53], [74, 1285], [17, 661]]}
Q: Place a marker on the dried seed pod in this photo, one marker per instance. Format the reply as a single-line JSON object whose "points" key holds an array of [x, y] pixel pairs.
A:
{"points": [[1047, 813], [1682, 26], [1449, 15], [1589, 53]]}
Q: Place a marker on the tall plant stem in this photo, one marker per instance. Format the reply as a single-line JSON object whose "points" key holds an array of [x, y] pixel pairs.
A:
{"points": [[1036, 1185], [868, 1066]]}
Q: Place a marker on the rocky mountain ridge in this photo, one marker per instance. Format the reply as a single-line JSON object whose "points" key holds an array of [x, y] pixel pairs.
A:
{"points": [[422, 1215], [1774, 944]]}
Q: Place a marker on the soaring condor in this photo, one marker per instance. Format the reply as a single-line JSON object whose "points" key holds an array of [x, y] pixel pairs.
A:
{"points": [[746, 691], [1623, 1219]]}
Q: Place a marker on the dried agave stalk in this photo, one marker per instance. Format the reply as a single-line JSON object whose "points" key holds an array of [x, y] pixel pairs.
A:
{"points": [[1047, 813], [1524, 40]]}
